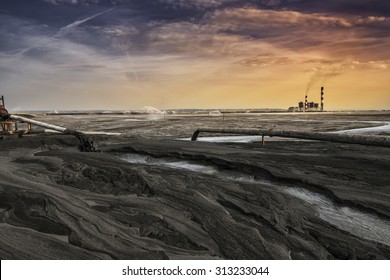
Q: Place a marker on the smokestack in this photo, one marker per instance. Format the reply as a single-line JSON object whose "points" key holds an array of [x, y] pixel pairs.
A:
{"points": [[305, 102], [322, 99]]}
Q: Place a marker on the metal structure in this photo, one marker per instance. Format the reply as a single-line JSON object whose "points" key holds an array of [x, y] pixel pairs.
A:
{"points": [[10, 123], [87, 143], [9, 126], [370, 140], [305, 102], [306, 106]]}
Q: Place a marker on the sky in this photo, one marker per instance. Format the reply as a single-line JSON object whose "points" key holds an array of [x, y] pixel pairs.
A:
{"points": [[126, 54]]}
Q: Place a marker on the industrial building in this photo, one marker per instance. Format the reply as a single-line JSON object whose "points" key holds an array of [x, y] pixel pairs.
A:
{"points": [[306, 106]]}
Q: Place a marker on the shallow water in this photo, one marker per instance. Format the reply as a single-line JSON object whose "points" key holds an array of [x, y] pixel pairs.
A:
{"points": [[360, 224], [102, 133], [375, 129], [227, 139], [175, 164], [238, 139]]}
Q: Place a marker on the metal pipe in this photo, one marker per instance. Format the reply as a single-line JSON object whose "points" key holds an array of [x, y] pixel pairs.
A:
{"points": [[38, 123], [371, 140], [87, 143]]}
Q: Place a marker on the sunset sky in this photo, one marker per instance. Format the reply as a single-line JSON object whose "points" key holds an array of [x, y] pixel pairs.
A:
{"points": [[126, 54]]}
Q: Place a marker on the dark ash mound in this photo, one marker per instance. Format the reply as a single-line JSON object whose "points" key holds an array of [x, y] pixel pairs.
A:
{"points": [[96, 206]]}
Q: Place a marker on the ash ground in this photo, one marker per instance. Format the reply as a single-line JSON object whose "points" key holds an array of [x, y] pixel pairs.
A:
{"points": [[148, 195]]}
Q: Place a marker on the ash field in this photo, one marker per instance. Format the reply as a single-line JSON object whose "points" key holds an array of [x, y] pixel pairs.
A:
{"points": [[151, 193]]}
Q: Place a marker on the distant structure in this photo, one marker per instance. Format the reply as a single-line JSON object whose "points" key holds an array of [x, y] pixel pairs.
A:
{"points": [[306, 102], [306, 106], [8, 126]]}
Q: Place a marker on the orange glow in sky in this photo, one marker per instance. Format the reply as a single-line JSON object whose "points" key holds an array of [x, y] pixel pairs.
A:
{"points": [[219, 56]]}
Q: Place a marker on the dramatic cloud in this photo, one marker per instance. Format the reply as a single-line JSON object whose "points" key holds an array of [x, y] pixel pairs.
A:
{"points": [[195, 3], [251, 18], [195, 53]]}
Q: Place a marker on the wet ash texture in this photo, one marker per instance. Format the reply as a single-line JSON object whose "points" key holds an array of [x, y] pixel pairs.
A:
{"points": [[160, 198]]}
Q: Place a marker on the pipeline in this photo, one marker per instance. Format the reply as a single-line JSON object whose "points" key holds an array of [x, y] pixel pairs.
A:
{"points": [[87, 143], [370, 140]]}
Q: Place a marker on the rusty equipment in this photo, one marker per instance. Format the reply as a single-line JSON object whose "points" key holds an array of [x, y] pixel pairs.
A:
{"points": [[3, 112], [9, 125], [370, 140]]}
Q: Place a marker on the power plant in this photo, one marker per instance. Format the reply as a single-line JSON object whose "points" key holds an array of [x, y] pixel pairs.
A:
{"points": [[306, 106]]}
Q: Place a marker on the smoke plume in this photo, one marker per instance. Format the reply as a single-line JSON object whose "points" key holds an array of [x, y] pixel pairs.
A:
{"points": [[324, 73]]}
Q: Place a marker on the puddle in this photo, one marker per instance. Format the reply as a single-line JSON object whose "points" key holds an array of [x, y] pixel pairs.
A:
{"points": [[360, 224], [134, 120], [101, 133], [375, 129], [174, 164], [238, 139], [226, 139]]}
